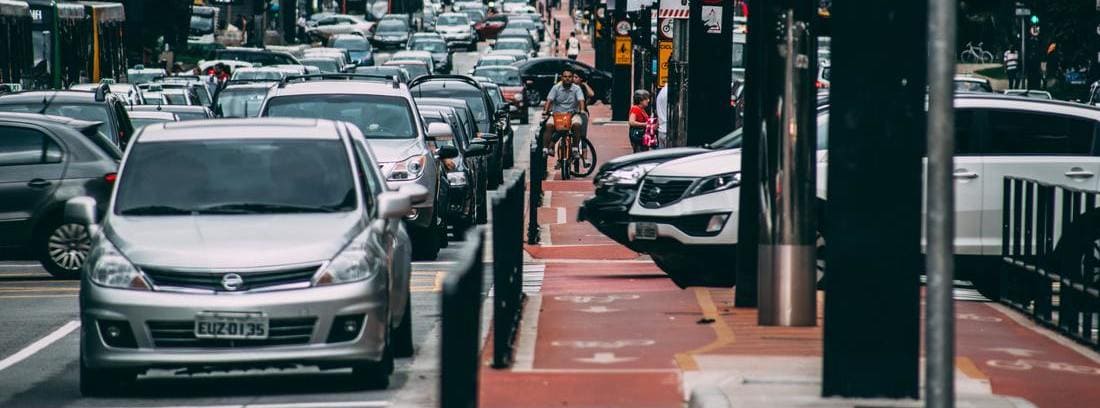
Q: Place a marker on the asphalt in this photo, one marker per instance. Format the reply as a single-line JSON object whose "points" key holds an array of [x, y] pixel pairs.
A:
{"points": [[33, 306]]}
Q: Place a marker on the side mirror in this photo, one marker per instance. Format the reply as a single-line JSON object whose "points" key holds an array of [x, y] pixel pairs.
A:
{"points": [[80, 210], [393, 205], [440, 130], [447, 152], [416, 193], [476, 150]]}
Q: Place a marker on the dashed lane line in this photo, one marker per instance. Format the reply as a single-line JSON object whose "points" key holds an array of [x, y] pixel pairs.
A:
{"points": [[39, 344]]}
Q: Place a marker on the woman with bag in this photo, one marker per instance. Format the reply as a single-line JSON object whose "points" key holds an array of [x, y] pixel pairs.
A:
{"points": [[638, 120]]}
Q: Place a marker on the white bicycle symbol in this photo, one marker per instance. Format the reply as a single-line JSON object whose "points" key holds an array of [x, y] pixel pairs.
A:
{"points": [[1023, 365]]}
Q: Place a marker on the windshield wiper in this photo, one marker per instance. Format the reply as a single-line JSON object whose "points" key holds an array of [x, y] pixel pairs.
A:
{"points": [[155, 210], [263, 208]]}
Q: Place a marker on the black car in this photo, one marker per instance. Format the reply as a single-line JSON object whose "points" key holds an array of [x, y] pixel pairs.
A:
{"points": [[441, 55], [505, 112], [469, 90], [540, 74], [466, 173], [391, 33], [96, 106], [185, 112], [45, 161], [256, 56], [617, 184]]}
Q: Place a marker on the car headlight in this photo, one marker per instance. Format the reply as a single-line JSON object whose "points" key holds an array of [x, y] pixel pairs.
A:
{"points": [[108, 267], [356, 262], [409, 169], [714, 183], [457, 179], [627, 176]]}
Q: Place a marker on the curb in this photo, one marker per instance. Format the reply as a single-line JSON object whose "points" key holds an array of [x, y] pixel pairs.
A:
{"points": [[708, 396]]}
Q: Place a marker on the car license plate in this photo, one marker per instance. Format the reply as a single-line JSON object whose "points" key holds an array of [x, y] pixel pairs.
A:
{"points": [[645, 230], [231, 325]]}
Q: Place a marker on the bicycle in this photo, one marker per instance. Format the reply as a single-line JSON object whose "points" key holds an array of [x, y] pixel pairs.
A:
{"points": [[975, 54], [576, 157]]}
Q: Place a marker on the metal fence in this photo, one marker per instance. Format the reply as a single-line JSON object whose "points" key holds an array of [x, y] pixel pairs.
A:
{"points": [[461, 332], [1051, 252], [508, 206]]}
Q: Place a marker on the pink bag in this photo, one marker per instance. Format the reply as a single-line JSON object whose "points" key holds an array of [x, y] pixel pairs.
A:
{"points": [[650, 138]]}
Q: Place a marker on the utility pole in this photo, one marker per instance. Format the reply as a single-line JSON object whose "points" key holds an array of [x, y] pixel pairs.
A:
{"points": [[673, 21], [709, 60], [623, 52]]}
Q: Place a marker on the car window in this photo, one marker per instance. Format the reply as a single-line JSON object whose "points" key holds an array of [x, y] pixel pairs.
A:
{"points": [[361, 166], [474, 97], [88, 112], [22, 146], [236, 177], [351, 43], [545, 68], [1013, 132], [377, 116], [392, 26], [241, 102], [966, 132], [505, 76], [430, 46]]}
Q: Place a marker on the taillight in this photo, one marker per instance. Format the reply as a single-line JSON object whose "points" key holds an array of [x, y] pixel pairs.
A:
{"points": [[110, 178]]}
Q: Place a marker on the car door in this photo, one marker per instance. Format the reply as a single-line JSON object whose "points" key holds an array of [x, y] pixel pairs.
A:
{"points": [[31, 168], [1054, 148], [969, 174]]}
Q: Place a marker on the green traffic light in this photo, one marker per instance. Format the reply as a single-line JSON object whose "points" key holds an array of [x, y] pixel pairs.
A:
{"points": [[1034, 19]]}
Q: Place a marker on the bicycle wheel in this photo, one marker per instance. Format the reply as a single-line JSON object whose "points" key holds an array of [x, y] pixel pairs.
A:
{"points": [[968, 57], [987, 57], [564, 157], [586, 163]]}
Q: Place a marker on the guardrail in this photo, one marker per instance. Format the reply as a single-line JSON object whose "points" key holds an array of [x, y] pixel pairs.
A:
{"points": [[1051, 252], [460, 346], [507, 266], [534, 200]]}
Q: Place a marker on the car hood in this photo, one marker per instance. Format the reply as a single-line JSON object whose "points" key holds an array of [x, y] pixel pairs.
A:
{"points": [[707, 164], [659, 155], [232, 241], [451, 28], [391, 150]]}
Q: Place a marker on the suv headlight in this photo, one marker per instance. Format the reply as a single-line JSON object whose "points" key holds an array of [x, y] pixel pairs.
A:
{"points": [[356, 262], [409, 169], [108, 267], [714, 183], [627, 176]]}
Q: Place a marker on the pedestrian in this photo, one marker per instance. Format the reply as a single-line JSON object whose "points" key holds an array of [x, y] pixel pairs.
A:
{"points": [[589, 94], [662, 116], [242, 24], [638, 120], [302, 27], [1012, 67], [557, 34], [572, 47]]}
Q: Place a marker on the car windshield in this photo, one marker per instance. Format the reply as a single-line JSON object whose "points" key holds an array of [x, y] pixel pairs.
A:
{"points": [[175, 98], [473, 97], [325, 65], [257, 76], [377, 116], [492, 62], [87, 112], [140, 77], [453, 19], [395, 26], [511, 45], [430, 46], [191, 115], [257, 58], [236, 177], [351, 43], [474, 14], [415, 69], [241, 102], [506, 76], [201, 25]]}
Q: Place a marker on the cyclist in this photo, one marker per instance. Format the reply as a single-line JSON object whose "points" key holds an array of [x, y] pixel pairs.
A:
{"points": [[564, 96]]}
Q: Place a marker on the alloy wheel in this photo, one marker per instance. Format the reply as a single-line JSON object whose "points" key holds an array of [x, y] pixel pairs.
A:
{"points": [[69, 245]]}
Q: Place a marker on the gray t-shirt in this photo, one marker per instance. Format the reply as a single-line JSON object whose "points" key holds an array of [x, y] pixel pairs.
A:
{"points": [[565, 100]]}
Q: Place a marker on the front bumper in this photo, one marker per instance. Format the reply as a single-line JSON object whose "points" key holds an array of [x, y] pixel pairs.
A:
{"points": [[461, 205], [684, 222], [389, 43], [459, 39], [143, 309], [609, 212]]}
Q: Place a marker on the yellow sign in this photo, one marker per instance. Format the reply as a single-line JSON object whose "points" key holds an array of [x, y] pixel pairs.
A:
{"points": [[664, 52], [624, 53]]}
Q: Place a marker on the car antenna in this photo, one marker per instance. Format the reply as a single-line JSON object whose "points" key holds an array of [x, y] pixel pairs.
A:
{"points": [[46, 103]]}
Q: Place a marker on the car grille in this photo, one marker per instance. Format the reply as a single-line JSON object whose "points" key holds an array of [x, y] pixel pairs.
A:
{"points": [[213, 280], [658, 192], [181, 333]]}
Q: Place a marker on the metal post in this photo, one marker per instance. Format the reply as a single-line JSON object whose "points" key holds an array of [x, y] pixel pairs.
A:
{"points": [[940, 221], [757, 54], [1023, 54], [786, 285]]}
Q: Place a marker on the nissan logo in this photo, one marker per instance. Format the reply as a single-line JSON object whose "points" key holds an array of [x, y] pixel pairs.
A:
{"points": [[232, 281]]}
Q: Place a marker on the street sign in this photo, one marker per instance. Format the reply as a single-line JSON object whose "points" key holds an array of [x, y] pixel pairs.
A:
{"points": [[622, 27], [1023, 12], [1034, 31], [624, 52], [678, 9], [664, 53], [665, 26]]}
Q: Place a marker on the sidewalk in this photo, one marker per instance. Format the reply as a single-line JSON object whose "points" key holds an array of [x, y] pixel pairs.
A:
{"points": [[608, 329]]}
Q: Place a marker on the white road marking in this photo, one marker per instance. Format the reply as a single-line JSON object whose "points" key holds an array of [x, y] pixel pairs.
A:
{"points": [[39, 344], [528, 334], [598, 309], [605, 358], [1019, 319], [19, 265]]}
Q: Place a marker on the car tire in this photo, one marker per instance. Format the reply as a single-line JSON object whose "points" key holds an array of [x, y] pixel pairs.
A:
{"points": [[524, 117], [481, 214], [684, 268], [426, 243], [104, 382], [403, 346], [375, 375], [70, 243]]}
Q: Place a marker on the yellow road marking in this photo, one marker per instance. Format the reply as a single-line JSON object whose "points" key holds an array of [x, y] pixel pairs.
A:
{"points": [[968, 367], [686, 360]]}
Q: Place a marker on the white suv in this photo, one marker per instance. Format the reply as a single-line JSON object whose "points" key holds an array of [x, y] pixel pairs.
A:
{"points": [[688, 205]]}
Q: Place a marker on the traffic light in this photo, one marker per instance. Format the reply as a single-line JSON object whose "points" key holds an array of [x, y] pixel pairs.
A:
{"points": [[1034, 19]]}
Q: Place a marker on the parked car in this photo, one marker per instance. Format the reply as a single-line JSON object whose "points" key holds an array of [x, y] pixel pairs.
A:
{"points": [[99, 106], [391, 33], [183, 112], [384, 113], [241, 99], [541, 73], [466, 173], [971, 83], [255, 56], [533, 18], [140, 119], [197, 91], [415, 68], [45, 161], [245, 242], [457, 30], [517, 26], [340, 54], [504, 111], [129, 93], [511, 85], [360, 50], [441, 55], [331, 25], [469, 90]]}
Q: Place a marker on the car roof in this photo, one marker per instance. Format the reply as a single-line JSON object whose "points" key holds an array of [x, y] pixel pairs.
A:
{"points": [[253, 128], [340, 87], [418, 53], [168, 108], [51, 119], [152, 115], [1011, 102], [394, 62], [454, 14], [52, 96], [452, 102], [345, 36]]}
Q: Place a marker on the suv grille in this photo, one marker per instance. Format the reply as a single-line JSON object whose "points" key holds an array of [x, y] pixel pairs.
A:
{"points": [[181, 333], [658, 192], [213, 280]]}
